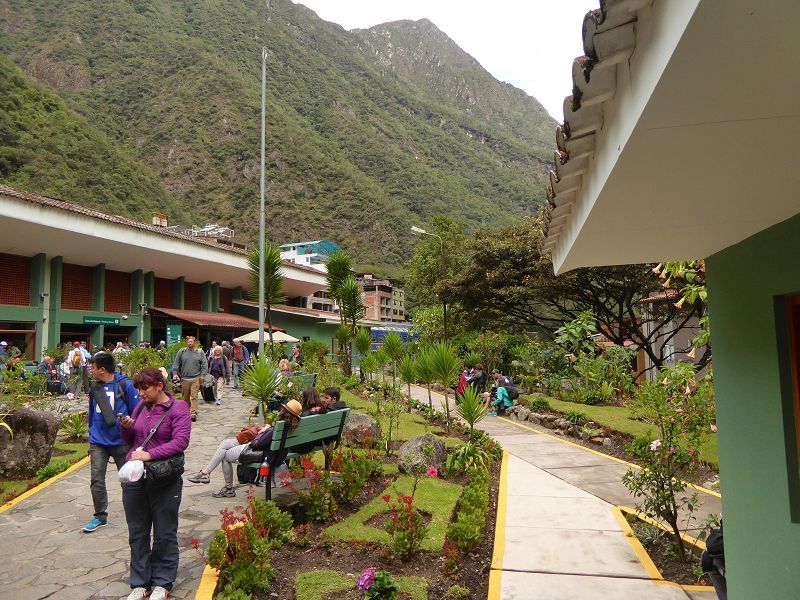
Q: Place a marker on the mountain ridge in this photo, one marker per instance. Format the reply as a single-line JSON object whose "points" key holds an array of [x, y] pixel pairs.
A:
{"points": [[357, 152]]}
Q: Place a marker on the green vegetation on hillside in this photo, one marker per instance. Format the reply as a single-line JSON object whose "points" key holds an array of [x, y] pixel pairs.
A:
{"points": [[356, 152], [47, 148]]}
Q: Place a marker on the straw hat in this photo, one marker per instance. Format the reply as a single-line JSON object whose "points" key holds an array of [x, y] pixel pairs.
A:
{"points": [[294, 407]]}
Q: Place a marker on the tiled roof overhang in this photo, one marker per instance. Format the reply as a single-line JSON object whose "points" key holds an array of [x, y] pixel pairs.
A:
{"points": [[609, 37], [205, 319]]}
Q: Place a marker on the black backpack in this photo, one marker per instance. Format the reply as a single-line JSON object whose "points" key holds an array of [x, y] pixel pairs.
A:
{"points": [[246, 473], [511, 389]]}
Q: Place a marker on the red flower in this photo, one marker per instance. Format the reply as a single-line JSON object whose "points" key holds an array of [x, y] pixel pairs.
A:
{"points": [[386, 497], [195, 543]]}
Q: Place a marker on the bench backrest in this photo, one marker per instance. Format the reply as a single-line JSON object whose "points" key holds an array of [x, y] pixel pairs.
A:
{"points": [[313, 428], [305, 380]]}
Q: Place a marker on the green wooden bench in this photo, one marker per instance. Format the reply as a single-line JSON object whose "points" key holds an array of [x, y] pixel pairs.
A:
{"points": [[325, 431]]}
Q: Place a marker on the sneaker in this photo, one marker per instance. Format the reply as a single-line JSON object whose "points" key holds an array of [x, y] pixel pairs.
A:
{"points": [[159, 593], [194, 418], [94, 525], [199, 478], [137, 594], [225, 492], [493, 413], [217, 402]]}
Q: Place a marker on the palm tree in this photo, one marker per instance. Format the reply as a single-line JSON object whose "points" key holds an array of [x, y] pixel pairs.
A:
{"points": [[471, 408], [424, 368], [260, 381], [351, 311], [273, 280], [339, 265], [368, 364], [381, 360], [393, 348], [363, 343], [408, 371], [446, 366]]}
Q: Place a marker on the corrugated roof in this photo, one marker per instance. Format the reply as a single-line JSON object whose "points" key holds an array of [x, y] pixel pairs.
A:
{"points": [[206, 319], [609, 37]]}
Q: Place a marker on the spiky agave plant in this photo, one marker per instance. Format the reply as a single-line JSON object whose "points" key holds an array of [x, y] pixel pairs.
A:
{"points": [[407, 367], [471, 409], [425, 374], [446, 366]]}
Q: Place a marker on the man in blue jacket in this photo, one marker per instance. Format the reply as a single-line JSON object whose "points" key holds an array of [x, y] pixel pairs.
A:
{"points": [[111, 396]]}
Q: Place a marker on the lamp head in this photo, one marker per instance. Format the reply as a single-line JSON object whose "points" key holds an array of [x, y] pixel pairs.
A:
{"points": [[418, 230]]}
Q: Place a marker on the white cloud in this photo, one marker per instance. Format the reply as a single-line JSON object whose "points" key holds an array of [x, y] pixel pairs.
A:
{"points": [[528, 43]]}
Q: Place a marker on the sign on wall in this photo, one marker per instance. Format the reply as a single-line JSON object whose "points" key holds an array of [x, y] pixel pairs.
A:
{"points": [[101, 320], [173, 333]]}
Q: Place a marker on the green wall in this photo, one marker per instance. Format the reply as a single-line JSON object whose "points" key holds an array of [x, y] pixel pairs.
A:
{"points": [[762, 544]]}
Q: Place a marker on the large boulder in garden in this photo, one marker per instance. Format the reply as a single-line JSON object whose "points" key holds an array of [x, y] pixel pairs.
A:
{"points": [[361, 431], [421, 453], [31, 446]]}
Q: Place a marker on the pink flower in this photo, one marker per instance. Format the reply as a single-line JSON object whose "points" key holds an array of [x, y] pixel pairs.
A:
{"points": [[671, 450], [691, 452], [366, 579], [433, 472], [655, 445], [679, 411], [70, 396], [386, 481], [713, 428]]}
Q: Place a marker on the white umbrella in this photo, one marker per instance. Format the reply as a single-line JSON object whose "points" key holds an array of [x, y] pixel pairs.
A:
{"points": [[277, 336]]}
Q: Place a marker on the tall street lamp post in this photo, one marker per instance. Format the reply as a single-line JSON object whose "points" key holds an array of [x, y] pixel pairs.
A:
{"points": [[419, 231], [261, 225]]}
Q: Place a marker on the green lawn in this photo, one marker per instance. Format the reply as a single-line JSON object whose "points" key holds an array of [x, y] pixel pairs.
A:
{"points": [[433, 496], [14, 487], [619, 419], [311, 585], [411, 425]]}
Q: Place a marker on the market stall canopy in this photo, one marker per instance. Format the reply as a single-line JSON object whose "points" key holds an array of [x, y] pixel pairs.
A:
{"points": [[207, 319], [277, 336]]}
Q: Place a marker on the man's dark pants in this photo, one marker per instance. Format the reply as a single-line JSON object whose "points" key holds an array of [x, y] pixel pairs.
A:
{"points": [[98, 456], [155, 508]]}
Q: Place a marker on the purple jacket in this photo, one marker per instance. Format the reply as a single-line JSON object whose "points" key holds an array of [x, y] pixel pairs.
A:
{"points": [[171, 437]]}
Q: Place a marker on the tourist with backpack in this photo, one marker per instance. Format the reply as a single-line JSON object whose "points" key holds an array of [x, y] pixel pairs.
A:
{"points": [[76, 361], [111, 397], [502, 395], [241, 358], [189, 368]]}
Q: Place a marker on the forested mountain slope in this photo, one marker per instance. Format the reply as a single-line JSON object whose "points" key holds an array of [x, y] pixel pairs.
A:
{"points": [[359, 148]]}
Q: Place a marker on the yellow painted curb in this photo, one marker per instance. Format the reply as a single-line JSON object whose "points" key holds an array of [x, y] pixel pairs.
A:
{"points": [[12, 503], [494, 585], [500, 522], [685, 536], [644, 558], [208, 583], [698, 588], [619, 460]]}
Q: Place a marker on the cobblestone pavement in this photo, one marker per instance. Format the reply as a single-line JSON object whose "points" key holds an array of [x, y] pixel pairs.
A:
{"points": [[44, 553]]}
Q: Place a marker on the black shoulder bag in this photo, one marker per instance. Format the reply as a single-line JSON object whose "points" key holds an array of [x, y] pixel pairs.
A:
{"points": [[160, 473]]}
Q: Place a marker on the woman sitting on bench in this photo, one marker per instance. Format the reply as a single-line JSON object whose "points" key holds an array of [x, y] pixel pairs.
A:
{"points": [[228, 451]]}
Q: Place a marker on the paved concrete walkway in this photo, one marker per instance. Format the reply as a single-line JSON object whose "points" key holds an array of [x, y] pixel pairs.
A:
{"points": [[560, 538], [44, 553]]}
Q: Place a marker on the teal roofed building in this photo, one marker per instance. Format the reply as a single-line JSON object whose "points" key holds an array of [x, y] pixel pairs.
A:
{"points": [[312, 254]]}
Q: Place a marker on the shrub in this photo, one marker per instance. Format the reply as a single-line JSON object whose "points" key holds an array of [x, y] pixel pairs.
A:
{"points": [[377, 585], [355, 469], [75, 426], [314, 349], [467, 530], [681, 409], [319, 502], [576, 417], [269, 520], [51, 470], [456, 592], [648, 534], [467, 457], [406, 527], [539, 404], [471, 408]]}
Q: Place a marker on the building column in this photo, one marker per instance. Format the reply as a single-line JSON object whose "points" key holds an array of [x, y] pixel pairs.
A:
{"points": [[149, 299], [137, 293], [177, 293], [205, 297], [38, 296], [96, 337], [54, 317], [215, 297], [99, 288]]}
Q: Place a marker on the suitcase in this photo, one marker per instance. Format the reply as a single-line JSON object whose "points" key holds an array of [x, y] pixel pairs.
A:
{"points": [[207, 392]]}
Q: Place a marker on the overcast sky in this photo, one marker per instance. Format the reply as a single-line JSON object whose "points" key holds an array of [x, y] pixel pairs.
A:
{"points": [[528, 43]]}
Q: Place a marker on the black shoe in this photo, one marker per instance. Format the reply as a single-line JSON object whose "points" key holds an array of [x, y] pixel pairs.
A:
{"points": [[194, 418], [225, 492]]}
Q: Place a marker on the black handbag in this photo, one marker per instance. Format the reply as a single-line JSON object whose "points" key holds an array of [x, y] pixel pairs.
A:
{"points": [[162, 472], [250, 455]]}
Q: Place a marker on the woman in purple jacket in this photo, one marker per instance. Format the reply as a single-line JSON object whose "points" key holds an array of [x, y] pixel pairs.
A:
{"points": [[153, 569]]}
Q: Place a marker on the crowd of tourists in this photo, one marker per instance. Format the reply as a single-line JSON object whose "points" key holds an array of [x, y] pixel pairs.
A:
{"points": [[140, 425], [501, 393]]}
